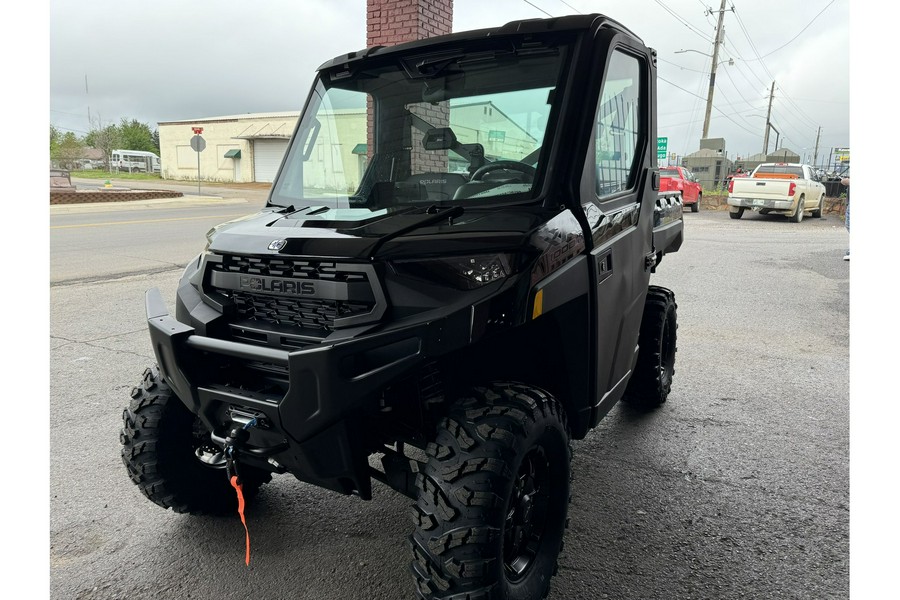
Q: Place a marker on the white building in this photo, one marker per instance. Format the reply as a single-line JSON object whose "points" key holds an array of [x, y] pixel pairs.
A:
{"points": [[239, 148], [250, 147]]}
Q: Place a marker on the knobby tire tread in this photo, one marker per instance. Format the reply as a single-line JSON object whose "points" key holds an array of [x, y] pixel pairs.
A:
{"points": [[157, 453], [650, 385], [456, 546]]}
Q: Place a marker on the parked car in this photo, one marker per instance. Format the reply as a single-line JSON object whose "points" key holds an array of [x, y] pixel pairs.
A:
{"points": [[679, 179], [789, 189]]}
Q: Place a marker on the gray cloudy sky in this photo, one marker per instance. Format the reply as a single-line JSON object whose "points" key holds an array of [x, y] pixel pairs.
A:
{"points": [[172, 60]]}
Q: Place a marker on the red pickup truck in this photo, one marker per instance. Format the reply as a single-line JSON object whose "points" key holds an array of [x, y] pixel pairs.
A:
{"points": [[679, 179]]}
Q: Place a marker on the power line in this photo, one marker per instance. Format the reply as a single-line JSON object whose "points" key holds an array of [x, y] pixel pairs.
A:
{"points": [[728, 74], [572, 7], [682, 21], [538, 7], [733, 49], [759, 59], [799, 33], [702, 98], [721, 91], [69, 129], [67, 113], [681, 67], [788, 124], [752, 45]]}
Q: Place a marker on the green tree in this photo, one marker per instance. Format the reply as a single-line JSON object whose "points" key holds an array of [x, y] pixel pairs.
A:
{"points": [[69, 150], [137, 136], [104, 138], [55, 138]]}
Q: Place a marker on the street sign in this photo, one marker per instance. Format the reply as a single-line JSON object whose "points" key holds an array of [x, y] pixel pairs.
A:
{"points": [[662, 146], [198, 143], [197, 130]]}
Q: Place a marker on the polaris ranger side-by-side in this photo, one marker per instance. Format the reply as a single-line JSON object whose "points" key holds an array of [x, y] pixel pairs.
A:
{"points": [[450, 280]]}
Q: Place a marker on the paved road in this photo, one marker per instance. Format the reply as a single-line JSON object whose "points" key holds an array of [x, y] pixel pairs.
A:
{"points": [[736, 488]]}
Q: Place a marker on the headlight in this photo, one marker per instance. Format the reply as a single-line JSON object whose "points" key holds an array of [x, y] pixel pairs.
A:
{"points": [[463, 272]]}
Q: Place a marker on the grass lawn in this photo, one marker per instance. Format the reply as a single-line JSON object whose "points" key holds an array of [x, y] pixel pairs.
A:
{"points": [[101, 174]]}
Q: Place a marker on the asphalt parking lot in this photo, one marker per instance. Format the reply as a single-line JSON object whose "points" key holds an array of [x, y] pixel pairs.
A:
{"points": [[738, 487]]}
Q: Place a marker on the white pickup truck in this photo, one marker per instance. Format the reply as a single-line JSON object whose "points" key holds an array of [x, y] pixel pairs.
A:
{"points": [[789, 189]]}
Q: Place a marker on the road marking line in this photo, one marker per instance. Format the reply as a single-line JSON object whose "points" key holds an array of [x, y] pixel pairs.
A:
{"points": [[144, 221]]}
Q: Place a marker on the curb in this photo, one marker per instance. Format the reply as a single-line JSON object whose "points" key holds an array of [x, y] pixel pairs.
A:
{"points": [[183, 201]]}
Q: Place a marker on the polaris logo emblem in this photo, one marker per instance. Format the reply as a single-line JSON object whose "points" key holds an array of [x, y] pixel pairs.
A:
{"points": [[277, 245], [278, 286]]}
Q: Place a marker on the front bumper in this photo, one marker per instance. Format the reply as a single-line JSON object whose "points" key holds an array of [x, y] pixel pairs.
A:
{"points": [[305, 430]]}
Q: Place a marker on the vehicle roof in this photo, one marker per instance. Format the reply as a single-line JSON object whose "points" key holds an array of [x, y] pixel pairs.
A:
{"points": [[525, 26]]}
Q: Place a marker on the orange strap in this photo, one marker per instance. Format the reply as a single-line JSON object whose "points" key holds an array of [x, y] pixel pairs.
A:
{"points": [[240, 494]]}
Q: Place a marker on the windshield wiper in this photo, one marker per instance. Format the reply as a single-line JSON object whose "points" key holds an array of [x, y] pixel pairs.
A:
{"points": [[433, 213]]}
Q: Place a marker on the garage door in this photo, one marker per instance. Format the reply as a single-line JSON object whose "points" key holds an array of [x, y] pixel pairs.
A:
{"points": [[267, 155]]}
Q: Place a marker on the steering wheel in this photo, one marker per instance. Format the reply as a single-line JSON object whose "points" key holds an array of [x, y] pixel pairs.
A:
{"points": [[511, 165]]}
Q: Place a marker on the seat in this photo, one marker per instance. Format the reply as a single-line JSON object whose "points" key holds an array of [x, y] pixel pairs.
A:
{"points": [[440, 186]]}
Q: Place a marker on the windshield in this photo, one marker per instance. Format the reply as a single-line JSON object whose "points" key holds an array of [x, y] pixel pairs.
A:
{"points": [[448, 128], [668, 172]]}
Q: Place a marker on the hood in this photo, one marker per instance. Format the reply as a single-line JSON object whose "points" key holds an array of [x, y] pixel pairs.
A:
{"points": [[363, 234]]}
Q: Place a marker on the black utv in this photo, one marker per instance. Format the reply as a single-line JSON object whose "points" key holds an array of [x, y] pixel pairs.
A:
{"points": [[448, 283]]}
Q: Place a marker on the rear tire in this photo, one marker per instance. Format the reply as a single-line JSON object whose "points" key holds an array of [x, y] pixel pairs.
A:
{"points": [[159, 439], [737, 214], [695, 207], [798, 216], [493, 497], [651, 380]]}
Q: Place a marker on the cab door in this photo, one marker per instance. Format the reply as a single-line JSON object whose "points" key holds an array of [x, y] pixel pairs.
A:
{"points": [[618, 200], [691, 187]]}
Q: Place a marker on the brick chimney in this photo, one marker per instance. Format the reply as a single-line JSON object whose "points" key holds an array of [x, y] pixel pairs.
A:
{"points": [[391, 22]]}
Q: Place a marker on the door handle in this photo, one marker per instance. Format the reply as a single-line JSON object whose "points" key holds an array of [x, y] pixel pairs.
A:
{"points": [[604, 266]]}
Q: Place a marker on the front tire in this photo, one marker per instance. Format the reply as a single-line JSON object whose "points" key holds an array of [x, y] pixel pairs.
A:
{"points": [[493, 497], [651, 380], [817, 214], [159, 442], [695, 207]]}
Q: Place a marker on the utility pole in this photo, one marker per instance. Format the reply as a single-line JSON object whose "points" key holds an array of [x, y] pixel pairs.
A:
{"points": [[768, 119], [816, 152], [712, 72], [88, 96]]}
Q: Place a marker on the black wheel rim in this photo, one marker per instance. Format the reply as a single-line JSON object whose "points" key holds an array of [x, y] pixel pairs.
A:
{"points": [[526, 515], [667, 352]]}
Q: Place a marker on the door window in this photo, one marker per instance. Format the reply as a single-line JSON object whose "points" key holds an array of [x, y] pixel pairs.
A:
{"points": [[618, 126]]}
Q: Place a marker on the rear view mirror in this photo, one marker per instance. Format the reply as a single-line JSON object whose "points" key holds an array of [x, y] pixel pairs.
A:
{"points": [[439, 138], [443, 88]]}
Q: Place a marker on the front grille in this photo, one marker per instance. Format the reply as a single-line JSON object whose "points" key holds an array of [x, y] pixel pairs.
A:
{"points": [[276, 266], [336, 291], [306, 314]]}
